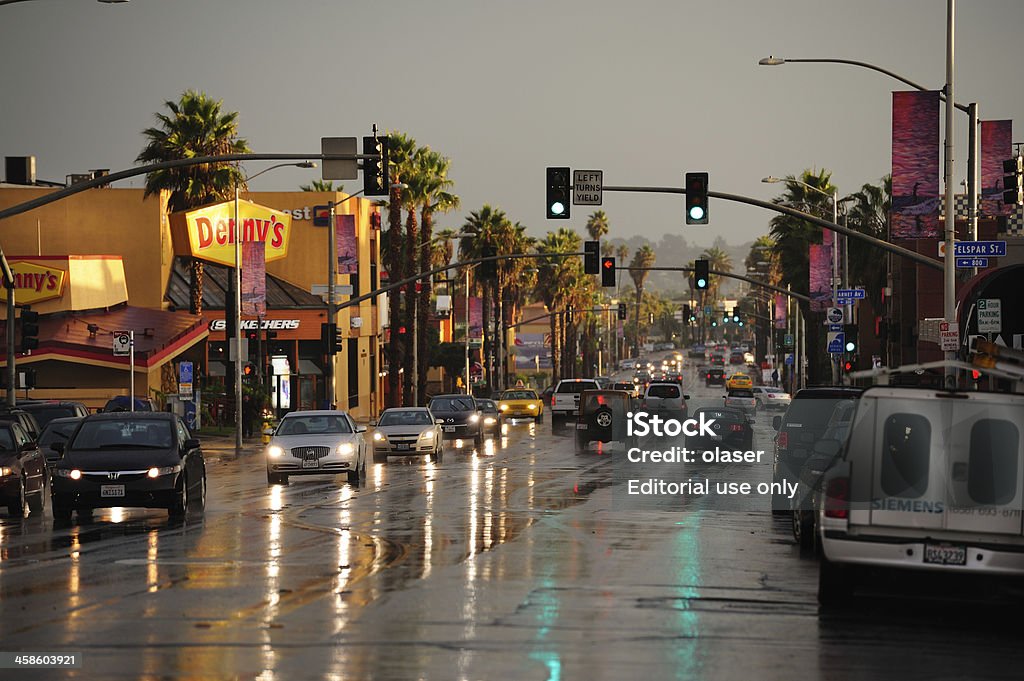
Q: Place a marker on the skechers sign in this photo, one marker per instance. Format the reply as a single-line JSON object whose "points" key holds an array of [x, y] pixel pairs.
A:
{"points": [[251, 324], [211, 230]]}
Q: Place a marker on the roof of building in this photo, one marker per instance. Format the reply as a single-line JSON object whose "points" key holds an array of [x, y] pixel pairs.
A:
{"points": [[280, 294]]}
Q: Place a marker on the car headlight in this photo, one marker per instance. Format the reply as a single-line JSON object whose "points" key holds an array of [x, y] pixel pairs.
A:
{"points": [[345, 448], [378, 436], [532, 406], [274, 451], [75, 474], [504, 407], [489, 420], [474, 418], [427, 435], [165, 470], [5, 471]]}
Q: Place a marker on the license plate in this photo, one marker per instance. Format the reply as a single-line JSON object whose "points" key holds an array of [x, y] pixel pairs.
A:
{"points": [[402, 445], [111, 490], [581, 426], [311, 463], [945, 554], [449, 429]]}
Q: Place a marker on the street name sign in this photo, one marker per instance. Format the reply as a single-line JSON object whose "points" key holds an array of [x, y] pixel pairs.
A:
{"points": [[990, 315], [835, 327], [972, 262], [970, 249], [850, 293], [586, 187]]}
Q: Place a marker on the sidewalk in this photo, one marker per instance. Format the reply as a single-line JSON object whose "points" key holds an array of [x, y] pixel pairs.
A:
{"points": [[225, 444]]}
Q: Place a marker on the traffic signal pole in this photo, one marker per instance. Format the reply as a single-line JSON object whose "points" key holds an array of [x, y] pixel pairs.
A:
{"points": [[11, 370]]}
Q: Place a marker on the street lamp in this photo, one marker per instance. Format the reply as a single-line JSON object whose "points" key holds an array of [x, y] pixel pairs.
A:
{"points": [[835, 251], [973, 157], [236, 279]]}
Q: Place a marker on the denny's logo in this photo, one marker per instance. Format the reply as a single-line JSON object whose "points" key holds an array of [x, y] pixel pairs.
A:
{"points": [[33, 283], [211, 230]]}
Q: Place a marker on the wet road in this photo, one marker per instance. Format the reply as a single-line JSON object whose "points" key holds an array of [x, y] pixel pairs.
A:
{"points": [[516, 562]]}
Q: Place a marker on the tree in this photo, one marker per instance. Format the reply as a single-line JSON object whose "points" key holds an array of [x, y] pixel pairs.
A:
{"points": [[555, 281], [321, 186], [597, 225], [400, 149], [643, 258], [487, 223], [195, 126]]}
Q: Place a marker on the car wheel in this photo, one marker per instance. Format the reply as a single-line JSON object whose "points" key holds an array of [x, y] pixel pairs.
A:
{"points": [[540, 418], [277, 478], [17, 507], [180, 505], [803, 528], [36, 502], [835, 583], [200, 503], [478, 440], [436, 455], [353, 476]]}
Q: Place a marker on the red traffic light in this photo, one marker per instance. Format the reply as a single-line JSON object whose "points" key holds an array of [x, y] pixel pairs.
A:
{"points": [[848, 366], [975, 374], [609, 263]]}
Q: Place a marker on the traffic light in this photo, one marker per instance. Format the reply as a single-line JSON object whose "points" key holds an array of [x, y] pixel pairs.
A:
{"points": [[330, 337], [591, 257], [735, 317], [700, 274], [849, 364], [249, 369], [607, 271], [622, 311], [696, 198], [376, 180], [850, 335], [29, 329], [558, 194], [1013, 181], [489, 268]]}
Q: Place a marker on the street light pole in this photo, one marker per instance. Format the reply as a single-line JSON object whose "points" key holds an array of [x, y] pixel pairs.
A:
{"points": [[949, 273]]}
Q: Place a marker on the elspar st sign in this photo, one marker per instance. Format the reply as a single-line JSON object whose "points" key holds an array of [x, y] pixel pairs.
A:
{"points": [[211, 230]]}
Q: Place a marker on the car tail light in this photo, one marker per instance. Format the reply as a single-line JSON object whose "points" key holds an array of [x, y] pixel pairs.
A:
{"points": [[552, 399], [837, 498], [783, 440], [735, 427]]}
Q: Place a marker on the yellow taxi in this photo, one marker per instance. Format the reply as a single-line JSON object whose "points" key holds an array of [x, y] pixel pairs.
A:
{"points": [[518, 403], [739, 380]]}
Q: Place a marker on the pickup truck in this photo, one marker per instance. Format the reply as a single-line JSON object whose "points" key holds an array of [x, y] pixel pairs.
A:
{"points": [[565, 401]]}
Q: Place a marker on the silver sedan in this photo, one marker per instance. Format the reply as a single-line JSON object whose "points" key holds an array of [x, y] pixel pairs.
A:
{"points": [[316, 443], [407, 431]]}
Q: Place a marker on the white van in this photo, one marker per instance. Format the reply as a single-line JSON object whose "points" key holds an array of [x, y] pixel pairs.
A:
{"points": [[927, 480]]}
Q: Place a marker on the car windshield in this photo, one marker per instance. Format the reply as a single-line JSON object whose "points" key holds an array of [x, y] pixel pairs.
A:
{"points": [[519, 395], [129, 433], [623, 386], [452, 404], [313, 425], [811, 412], [57, 432], [487, 405], [46, 414], [405, 418], [663, 391]]}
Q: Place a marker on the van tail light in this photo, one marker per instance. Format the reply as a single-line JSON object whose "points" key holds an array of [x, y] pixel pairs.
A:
{"points": [[837, 498], [783, 440]]}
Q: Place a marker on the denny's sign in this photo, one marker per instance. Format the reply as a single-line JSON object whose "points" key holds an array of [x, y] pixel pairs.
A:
{"points": [[211, 230], [34, 283]]}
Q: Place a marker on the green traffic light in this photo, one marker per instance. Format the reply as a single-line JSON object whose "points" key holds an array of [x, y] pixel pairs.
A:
{"points": [[557, 208], [696, 213]]}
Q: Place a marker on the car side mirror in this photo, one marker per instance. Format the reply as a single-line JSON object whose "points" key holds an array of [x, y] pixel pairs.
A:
{"points": [[58, 447], [191, 443], [373, 422], [776, 422], [360, 429], [686, 397]]}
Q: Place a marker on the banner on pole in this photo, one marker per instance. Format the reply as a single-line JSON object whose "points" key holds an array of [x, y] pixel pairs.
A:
{"points": [[915, 165]]}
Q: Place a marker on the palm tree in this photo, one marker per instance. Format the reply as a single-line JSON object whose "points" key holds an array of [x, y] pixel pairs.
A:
{"points": [[597, 225], [195, 126], [792, 237], [555, 284], [400, 149], [436, 199], [487, 224], [642, 259], [321, 186]]}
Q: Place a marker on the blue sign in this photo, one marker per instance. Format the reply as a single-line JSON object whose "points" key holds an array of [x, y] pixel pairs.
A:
{"points": [[835, 327], [789, 359], [972, 262], [980, 248], [184, 372], [855, 293], [707, 310], [836, 342]]}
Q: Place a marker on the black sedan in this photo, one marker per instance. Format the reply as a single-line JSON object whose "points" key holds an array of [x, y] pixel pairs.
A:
{"points": [[22, 471], [140, 459], [732, 428], [491, 418], [459, 416]]}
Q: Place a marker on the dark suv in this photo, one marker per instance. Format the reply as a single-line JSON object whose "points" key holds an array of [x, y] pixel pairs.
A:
{"points": [[803, 424], [714, 376]]}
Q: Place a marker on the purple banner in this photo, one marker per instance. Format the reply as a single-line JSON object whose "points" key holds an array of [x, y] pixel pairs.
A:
{"points": [[347, 246], [254, 278], [820, 261], [476, 317], [780, 311], [915, 165], [996, 147]]}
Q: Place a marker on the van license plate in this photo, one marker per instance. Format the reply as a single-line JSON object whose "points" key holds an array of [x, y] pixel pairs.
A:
{"points": [[945, 554], [111, 490]]}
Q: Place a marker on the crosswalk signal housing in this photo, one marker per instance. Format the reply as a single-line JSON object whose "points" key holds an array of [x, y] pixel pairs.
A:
{"points": [[29, 329], [696, 198], [607, 271], [558, 197], [701, 275]]}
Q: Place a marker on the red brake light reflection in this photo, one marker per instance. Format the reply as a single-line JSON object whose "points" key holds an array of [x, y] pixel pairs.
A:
{"points": [[837, 497], [783, 440]]}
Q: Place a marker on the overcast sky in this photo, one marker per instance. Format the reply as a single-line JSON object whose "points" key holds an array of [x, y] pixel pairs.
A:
{"points": [[644, 90]]}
